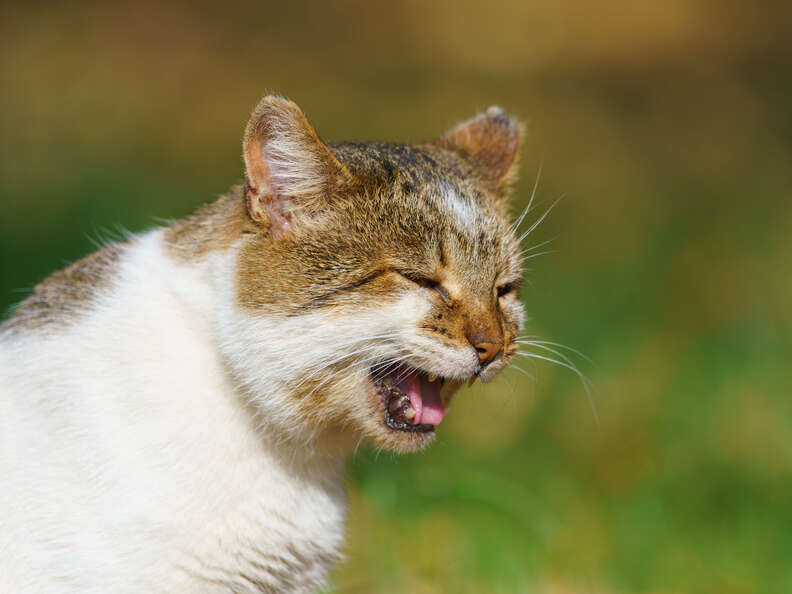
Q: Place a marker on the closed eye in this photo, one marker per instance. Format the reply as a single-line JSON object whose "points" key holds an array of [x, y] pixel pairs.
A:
{"points": [[427, 283], [504, 290]]}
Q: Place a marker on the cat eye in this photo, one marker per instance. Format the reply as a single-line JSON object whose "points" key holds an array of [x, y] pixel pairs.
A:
{"points": [[504, 290], [427, 283]]}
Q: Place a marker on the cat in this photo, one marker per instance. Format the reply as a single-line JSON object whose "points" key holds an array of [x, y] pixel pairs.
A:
{"points": [[176, 408]]}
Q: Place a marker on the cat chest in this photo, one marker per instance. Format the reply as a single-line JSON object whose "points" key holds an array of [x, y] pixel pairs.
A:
{"points": [[277, 537]]}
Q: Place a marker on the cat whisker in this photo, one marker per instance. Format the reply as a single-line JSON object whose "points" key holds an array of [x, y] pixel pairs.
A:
{"points": [[366, 347], [405, 372], [572, 367], [527, 209], [559, 354], [525, 373], [363, 340], [537, 254], [331, 376], [539, 220], [532, 340], [337, 372], [536, 246], [320, 373], [384, 368], [325, 365], [319, 369]]}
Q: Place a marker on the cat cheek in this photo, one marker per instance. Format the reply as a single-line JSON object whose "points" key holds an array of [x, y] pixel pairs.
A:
{"points": [[514, 315]]}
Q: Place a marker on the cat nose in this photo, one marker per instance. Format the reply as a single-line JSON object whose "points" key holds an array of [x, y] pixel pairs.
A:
{"points": [[487, 351], [484, 334]]}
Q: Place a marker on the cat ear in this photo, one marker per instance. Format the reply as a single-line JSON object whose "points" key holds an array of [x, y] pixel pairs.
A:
{"points": [[490, 142], [291, 175]]}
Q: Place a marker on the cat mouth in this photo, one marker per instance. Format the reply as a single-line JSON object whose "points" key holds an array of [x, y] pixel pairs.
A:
{"points": [[411, 398]]}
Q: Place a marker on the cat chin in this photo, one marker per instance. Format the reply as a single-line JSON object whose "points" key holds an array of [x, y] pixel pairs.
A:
{"points": [[401, 442]]}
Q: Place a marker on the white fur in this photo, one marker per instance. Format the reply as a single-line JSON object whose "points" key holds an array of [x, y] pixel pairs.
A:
{"points": [[152, 446], [129, 462], [465, 213], [468, 215]]}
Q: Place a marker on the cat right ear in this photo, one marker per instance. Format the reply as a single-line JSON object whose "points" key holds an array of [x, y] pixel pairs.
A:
{"points": [[490, 142], [291, 175]]}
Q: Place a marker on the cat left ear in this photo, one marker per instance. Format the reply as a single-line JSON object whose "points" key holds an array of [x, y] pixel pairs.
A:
{"points": [[291, 175], [490, 142]]}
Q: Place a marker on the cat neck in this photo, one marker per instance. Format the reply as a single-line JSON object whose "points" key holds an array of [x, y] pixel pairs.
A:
{"points": [[253, 350]]}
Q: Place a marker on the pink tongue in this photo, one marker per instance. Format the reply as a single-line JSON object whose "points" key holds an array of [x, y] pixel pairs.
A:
{"points": [[425, 399]]}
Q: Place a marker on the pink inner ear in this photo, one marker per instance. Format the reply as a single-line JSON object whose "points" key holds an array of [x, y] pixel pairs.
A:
{"points": [[258, 179], [265, 205], [279, 210], [265, 202], [291, 173]]}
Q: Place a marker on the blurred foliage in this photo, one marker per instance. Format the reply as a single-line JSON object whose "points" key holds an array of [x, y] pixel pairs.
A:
{"points": [[667, 128]]}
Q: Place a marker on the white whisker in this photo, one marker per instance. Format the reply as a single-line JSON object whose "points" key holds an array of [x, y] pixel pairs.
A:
{"points": [[539, 221], [525, 373], [551, 350], [537, 254], [527, 209], [533, 340], [536, 246], [583, 379]]}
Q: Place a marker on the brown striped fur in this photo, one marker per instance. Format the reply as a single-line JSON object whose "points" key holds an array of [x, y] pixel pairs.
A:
{"points": [[61, 298]]}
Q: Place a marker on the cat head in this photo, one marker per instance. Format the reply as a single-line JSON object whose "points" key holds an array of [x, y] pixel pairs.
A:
{"points": [[377, 278]]}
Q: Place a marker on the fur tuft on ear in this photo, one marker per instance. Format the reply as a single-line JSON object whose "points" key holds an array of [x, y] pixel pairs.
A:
{"points": [[291, 174], [490, 141]]}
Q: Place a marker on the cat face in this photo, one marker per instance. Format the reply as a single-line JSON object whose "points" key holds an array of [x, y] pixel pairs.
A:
{"points": [[396, 265]]}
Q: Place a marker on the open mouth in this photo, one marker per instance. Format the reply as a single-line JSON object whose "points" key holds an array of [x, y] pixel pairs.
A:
{"points": [[411, 397]]}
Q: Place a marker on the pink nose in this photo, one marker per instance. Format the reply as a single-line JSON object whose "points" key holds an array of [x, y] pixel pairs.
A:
{"points": [[487, 351]]}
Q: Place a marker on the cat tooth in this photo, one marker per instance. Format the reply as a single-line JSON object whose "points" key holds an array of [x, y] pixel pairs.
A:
{"points": [[471, 381], [394, 405], [409, 413], [431, 377]]}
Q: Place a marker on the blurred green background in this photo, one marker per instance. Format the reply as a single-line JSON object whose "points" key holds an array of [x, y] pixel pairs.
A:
{"points": [[667, 127]]}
